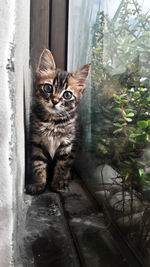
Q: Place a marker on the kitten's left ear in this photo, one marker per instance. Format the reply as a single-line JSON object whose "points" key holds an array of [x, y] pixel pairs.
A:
{"points": [[46, 62], [81, 74]]}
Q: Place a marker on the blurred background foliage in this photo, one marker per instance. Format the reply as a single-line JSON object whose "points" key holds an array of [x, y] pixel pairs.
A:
{"points": [[120, 103]]}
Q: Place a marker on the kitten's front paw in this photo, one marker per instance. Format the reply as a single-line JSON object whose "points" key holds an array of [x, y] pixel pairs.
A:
{"points": [[59, 185], [35, 189]]}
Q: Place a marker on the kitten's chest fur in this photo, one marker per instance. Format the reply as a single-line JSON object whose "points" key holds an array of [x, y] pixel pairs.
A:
{"points": [[52, 143], [52, 136]]}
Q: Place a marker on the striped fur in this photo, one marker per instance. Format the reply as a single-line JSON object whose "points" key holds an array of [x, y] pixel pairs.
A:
{"points": [[54, 123]]}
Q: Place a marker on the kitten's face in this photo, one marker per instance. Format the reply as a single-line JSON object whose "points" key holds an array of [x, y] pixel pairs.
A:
{"points": [[59, 91]]}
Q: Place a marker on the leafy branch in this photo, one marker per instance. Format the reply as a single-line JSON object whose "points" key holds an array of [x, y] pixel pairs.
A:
{"points": [[121, 92]]}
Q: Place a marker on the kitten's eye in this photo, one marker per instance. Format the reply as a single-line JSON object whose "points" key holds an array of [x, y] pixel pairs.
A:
{"points": [[67, 95], [48, 88]]}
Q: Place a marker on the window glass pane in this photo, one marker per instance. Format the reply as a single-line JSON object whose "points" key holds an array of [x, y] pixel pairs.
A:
{"points": [[114, 158]]}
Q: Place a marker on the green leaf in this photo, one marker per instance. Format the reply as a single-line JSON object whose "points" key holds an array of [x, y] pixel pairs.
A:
{"points": [[132, 140], [117, 124], [136, 94], [120, 120], [117, 109], [102, 148], [116, 96], [126, 177], [142, 124], [132, 135], [123, 95], [128, 119], [117, 131], [127, 162], [142, 137], [141, 163], [142, 174], [131, 114], [140, 171], [124, 113], [124, 101], [148, 98], [132, 159]]}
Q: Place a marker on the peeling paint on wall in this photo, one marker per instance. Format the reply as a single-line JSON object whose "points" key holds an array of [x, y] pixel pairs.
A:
{"points": [[7, 22], [14, 77]]}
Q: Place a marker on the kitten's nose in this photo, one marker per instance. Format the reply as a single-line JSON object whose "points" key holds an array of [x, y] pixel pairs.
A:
{"points": [[55, 101]]}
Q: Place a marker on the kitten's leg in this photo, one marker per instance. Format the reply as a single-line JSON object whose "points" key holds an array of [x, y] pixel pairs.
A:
{"points": [[64, 160], [38, 167]]}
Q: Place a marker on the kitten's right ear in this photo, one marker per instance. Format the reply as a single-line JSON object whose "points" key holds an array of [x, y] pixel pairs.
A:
{"points": [[46, 63]]}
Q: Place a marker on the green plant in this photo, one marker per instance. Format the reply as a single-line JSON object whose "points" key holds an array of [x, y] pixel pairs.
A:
{"points": [[132, 121], [120, 91]]}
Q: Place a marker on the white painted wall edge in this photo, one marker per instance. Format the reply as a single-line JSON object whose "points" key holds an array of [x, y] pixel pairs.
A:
{"points": [[7, 23]]}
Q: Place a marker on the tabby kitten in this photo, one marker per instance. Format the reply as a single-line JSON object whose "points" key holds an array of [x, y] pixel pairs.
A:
{"points": [[53, 123]]}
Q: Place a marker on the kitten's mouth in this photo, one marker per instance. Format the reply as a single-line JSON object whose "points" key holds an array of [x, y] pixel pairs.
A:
{"points": [[53, 109]]}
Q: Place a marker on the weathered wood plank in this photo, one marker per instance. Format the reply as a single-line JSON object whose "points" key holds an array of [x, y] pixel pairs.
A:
{"points": [[39, 29], [59, 32]]}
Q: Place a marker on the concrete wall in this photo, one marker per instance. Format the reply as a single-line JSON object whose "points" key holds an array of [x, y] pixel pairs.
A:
{"points": [[14, 79]]}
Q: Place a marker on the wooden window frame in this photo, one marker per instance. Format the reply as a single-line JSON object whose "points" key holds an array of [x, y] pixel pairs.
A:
{"points": [[49, 29], [58, 42]]}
